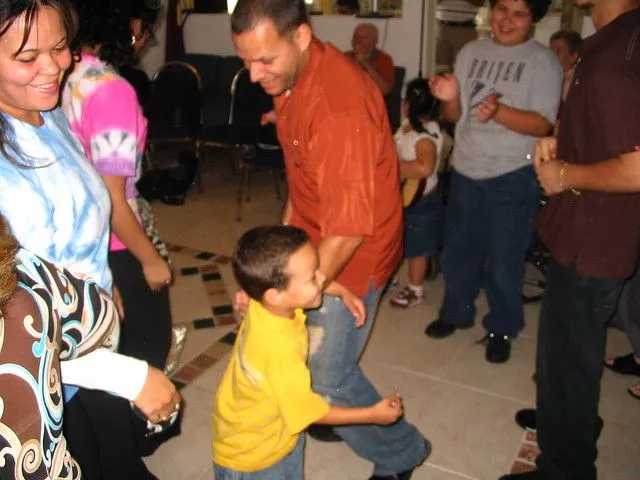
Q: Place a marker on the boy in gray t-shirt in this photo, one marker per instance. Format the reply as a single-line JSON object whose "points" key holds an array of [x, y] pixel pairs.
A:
{"points": [[527, 77], [504, 95]]}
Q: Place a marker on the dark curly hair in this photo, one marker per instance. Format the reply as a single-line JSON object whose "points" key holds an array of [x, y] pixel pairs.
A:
{"points": [[8, 250], [107, 24], [421, 102], [571, 38], [538, 8]]}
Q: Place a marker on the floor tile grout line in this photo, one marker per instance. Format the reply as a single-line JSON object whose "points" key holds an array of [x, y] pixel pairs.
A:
{"points": [[448, 470], [450, 382], [480, 390], [620, 424]]}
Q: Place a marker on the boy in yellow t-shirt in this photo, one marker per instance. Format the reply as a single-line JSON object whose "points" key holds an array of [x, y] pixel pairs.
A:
{"points": [[265, 401]]}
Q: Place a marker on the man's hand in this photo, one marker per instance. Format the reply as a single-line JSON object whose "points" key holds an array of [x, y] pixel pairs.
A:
{"points": [[353, 303], [545, 151], [158, 399], [355, 306], [487, 109], [266, 118], [550, 176], [361, 57], [444, 87]]}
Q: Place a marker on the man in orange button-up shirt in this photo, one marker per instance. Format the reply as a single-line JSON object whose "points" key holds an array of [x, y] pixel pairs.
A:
{"points": [[342, 173]]}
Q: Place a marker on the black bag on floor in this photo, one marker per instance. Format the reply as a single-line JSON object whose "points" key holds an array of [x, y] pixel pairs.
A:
{"points": [[169, 185]]}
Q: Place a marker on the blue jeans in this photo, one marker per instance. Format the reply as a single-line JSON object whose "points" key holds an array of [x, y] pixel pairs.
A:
{"points": [[487, 235], [290, 467], [335, 348]]}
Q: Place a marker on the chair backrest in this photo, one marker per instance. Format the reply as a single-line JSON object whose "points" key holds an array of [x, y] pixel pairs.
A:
{"points": [[394, 98], [248, 100], [139, 81], [175, 98]]}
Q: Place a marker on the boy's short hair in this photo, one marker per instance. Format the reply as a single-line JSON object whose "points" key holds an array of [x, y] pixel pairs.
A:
{"points": [[538, 8], [286, 15], [261, 257]]}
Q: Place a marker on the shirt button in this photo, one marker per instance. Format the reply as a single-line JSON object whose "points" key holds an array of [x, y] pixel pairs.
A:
{"points": [[295, 142]]}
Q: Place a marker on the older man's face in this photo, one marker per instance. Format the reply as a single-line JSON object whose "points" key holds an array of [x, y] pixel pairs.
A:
{"points": [[364, 40]]}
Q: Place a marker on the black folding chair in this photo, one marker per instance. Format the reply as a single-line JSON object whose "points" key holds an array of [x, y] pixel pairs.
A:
{"points": [[174, 108], [248, 103]]}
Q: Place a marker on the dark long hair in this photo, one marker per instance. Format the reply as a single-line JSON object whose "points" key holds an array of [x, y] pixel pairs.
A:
{"points": [[107, 23], [10, 12], [421, 103], [8, 249]]}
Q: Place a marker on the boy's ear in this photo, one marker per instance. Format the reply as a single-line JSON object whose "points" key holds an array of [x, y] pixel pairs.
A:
{"points": [[272, 296]]}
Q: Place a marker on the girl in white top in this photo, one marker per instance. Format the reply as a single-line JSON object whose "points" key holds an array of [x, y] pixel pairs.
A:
{"points": [[419, 143]]}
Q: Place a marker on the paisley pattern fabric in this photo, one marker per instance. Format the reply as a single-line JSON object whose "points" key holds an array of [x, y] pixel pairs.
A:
{"points": [[52, 316]]}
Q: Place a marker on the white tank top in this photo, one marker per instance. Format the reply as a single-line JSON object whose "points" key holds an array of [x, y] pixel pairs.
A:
{"points": [[406, 146]]}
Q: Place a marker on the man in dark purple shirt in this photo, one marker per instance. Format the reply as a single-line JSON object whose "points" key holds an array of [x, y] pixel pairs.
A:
{"points": [[591, 225]]}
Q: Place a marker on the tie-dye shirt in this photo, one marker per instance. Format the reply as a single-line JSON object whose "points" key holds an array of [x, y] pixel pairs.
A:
{"points": [[104, 113], [58, 207]]}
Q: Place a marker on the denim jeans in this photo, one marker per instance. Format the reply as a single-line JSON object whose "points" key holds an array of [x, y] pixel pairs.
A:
{"points": [[571, 346], [487, 235], [290, 467], [335, 348], [627, 314]]}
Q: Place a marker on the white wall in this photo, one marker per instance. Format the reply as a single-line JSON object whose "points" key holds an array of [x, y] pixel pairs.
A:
{"points": [[547, 27], [210, 33], [153, 57]]}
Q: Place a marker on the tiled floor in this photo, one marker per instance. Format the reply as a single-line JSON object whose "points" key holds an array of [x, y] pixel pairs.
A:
{"points": [[463, 404]]}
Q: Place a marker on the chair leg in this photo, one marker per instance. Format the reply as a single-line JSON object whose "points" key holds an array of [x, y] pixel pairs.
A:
{"points": [[198, 178], [148, 158], [276, 183], [234, 160], [248, 181], [244, 177]]}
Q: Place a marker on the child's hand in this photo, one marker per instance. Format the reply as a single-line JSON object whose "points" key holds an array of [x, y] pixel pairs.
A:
{"points": [[355, 306], [388, 410]]}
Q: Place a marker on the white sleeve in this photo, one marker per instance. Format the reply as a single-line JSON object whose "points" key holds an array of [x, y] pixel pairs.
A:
{"points": [[105, 370]]}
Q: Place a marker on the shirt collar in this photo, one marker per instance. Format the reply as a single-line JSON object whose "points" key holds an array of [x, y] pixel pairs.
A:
{"points": [[316, 54], [256, 310]]}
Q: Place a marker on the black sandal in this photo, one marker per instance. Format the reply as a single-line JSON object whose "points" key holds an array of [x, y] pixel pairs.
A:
{"points": [[624, 365]]}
